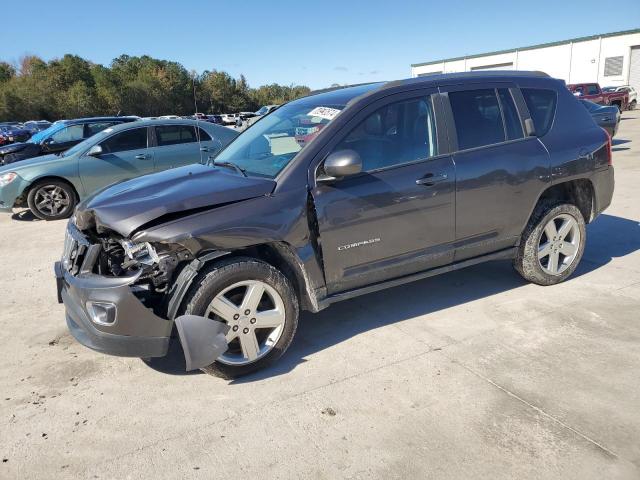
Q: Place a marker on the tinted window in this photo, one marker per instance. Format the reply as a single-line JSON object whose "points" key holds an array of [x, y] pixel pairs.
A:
{"points": [[175, 134], [134, 139], [204, 136], [511, 119], [476, 114], [93, 128], [542, 107], [592, 90], [396, 133], [74, 133]]}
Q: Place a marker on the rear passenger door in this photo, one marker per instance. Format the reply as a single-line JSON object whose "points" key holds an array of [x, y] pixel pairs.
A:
{"points": [[175, 145], [124, 155], [499, 170]]}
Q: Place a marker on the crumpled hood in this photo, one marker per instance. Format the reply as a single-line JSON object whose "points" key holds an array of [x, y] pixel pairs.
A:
{"points": [[128, 205]]}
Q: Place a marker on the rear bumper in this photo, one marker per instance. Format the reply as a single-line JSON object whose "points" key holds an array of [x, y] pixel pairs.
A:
{"points": [[135, 330]]}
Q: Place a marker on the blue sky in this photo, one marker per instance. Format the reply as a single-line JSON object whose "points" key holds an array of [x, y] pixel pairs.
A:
{"points": [[314, 43]]}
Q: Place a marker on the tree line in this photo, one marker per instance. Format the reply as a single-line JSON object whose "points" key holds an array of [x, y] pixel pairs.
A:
{"points": [[72, 87]]}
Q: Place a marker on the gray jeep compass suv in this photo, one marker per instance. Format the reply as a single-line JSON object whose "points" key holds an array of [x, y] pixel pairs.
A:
{"points": [[334, 195]]}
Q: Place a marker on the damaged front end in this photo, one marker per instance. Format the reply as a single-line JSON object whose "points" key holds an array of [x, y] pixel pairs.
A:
{"points": [[116, 293]]}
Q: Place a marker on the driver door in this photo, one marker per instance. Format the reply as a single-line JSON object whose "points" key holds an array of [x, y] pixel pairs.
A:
{"points": [[124, 155], [397, 216]]}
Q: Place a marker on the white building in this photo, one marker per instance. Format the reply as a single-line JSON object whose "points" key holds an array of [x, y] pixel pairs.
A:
{"points": [[609, 59]]}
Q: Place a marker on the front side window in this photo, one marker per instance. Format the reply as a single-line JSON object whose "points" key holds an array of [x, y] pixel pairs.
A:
{"points": [[134, 139], [73, 133], [204, 136], [477, 117], [542, 107], [395, 134], [510, 113], [93, 128], [592, 90], [175, 134]]}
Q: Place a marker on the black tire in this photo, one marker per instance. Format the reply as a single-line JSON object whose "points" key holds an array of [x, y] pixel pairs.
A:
{"points": [[527, 262], [55, 209], [221, 275], [632, 105]]}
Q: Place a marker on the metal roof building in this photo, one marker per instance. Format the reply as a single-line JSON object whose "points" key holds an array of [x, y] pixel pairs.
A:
{"points": [[609, 59]]}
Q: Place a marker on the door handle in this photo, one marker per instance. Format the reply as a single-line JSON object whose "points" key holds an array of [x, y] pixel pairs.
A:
{"points": [[142, 156], [205, 149], [431, 179]]}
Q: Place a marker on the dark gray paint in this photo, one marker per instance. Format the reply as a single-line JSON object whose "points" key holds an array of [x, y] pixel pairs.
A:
{"points": [[476, 211]]}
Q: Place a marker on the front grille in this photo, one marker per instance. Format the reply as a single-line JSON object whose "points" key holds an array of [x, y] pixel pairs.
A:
{"points": [[78, 256]]}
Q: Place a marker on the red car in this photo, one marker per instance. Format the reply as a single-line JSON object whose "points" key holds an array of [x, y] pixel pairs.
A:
{"points": [[593, 92]]}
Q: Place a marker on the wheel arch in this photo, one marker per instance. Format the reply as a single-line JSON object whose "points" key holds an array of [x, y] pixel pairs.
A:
{"points": [[47, 178], [279, 255], [579, 192]]}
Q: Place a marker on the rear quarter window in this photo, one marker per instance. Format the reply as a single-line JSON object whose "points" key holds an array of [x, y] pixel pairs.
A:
{"points": [[542, 107]]}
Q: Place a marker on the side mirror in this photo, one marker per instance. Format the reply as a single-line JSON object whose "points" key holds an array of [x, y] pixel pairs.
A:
{"points": [[343, 163], [530, 129], [95, 151]]}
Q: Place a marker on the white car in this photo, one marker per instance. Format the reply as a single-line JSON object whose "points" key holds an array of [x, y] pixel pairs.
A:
{"points": [[229, 118], [633, 95]]}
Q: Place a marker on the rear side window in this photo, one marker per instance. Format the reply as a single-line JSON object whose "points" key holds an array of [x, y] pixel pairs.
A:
{"points": [[477, 117], [511, 119], [175, 134], [134, 139], [542, 107]]}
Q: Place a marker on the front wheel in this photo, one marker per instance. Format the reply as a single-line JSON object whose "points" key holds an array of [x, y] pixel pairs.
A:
{"points": [[259, 305], [52, 200], [552, 244]]}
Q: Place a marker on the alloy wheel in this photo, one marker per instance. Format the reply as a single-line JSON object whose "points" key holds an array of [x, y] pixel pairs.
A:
{"points": [[559, 244], [255, 314], [51, 200]]}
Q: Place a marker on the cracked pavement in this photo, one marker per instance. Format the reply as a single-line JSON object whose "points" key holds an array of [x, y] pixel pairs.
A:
{"points": [[472, 374]]}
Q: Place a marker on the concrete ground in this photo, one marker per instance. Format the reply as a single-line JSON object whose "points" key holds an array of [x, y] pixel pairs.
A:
{"points": [[474, 374]]}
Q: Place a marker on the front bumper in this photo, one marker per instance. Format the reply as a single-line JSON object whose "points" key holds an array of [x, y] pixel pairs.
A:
{"points": [[135, 331], [10, 193]]}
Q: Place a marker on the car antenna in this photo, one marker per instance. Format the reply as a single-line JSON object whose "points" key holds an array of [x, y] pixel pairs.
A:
{"points": [[195, 103]]}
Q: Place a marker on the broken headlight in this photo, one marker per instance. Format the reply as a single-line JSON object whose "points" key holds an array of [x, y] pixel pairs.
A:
{"points": [[142, 253]]}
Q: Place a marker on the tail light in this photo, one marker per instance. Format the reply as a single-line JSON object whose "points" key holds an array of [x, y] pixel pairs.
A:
{"points": [[609, 153]]}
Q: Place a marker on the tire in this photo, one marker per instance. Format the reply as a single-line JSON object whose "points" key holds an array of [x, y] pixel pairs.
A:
{"points": [[52, 200], [230, 276], [632, 105], [536, 239]]}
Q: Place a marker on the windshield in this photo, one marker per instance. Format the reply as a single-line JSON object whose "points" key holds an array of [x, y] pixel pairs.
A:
{"points": [[270, 144], [590, 106], [40, 136], [262, 111]]}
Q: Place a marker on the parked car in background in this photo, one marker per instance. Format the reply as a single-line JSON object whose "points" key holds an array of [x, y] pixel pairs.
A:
{"points": [[35, 126], [607, 116], [633, 95], [14, 133], [405, 180], [593, 92], [217, 119], [52, 185], [59, 137], [257, 116], [229, 118]]}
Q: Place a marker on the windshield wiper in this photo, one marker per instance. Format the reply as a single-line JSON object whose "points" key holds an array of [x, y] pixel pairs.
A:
{"points": [[230, 165]]}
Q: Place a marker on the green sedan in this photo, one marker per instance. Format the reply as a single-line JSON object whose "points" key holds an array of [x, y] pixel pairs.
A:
{"points": [[52, 185]]}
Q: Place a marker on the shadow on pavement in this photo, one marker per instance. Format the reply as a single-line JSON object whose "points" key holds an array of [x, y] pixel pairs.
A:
{"points": [[608, 237], [25, 216]]}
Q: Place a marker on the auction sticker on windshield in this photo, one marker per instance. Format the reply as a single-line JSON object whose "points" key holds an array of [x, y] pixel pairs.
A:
{"points": [[324, 112]]}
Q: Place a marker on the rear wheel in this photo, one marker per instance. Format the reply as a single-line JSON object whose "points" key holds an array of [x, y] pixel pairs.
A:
{"points": [[259, 305], [52, 200], [552, 244], [632, 105]]}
